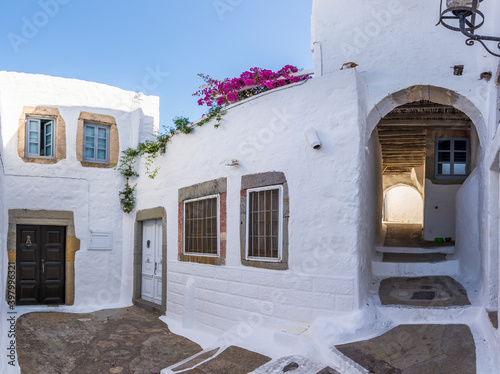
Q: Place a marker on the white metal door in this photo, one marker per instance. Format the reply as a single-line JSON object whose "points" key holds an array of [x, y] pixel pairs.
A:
{"points": [[151, 261]]}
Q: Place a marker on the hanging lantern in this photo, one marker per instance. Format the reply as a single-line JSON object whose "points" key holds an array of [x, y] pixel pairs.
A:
{"points": [[464, 16]]}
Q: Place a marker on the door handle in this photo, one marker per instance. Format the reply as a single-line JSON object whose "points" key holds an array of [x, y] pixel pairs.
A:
{"points": [[43, 266], [156, 264]]}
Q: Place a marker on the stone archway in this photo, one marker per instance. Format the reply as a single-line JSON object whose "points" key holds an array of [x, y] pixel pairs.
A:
{"points": [[434, 94], [470, 196]]}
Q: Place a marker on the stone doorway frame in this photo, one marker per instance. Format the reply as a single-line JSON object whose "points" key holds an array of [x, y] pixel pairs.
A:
{"points": [[47, 218], [141, 216]]}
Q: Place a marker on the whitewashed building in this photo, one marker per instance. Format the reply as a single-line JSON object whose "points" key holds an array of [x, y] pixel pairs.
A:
{"points": [[61, 222], [254, 225]]}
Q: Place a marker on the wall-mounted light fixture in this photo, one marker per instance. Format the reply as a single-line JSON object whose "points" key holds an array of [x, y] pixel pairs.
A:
{"points": [[466, 18], [312, 138]]}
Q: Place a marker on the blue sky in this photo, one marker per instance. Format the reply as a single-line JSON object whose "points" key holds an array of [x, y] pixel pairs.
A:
{"points": [[155, 46]]}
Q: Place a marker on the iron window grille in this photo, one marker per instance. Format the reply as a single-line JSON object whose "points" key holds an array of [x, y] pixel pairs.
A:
{"points": [[264, 223], [202, 226]]}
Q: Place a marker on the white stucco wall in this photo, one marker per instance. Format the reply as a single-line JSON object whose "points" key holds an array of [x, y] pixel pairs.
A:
{"points": [[267, 134]]}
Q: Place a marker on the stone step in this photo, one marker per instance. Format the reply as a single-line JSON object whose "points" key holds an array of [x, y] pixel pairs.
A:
{"points": [[414, 257], [381, 269], [430, 291], [412, 348], [446, 249]]}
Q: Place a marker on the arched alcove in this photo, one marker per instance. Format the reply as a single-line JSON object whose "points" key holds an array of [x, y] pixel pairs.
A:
{"points": [[403, 204]]}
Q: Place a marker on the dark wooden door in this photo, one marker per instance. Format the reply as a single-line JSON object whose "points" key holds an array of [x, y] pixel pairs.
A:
{"points": [[40, 264]]}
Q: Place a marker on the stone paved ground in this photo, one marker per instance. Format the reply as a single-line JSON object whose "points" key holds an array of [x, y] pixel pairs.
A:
{"points": [[128, 341], [410, 236], [417, 349], [432, 291]]}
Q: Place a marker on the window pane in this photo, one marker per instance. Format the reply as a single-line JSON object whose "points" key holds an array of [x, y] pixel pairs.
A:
{"points": [[101, 143], [460, 157], [444, 156], [445, 169], [89, 141], [33, 137], [444, 145], [460, 169], [101, 154], [48, 128], [48, 151], [101, 133], [89, 130], [89, 152], [48, 139], [34, 126], [460, 145], [33, 148]]}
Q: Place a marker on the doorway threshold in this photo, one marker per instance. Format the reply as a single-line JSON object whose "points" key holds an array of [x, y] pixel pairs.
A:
{"points": [[149, 306]]}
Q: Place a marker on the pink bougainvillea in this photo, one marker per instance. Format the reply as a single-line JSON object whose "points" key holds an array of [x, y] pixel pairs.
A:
{"points": [[249, 83]]}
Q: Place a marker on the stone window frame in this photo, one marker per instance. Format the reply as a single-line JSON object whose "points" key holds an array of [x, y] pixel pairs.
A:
{"points": [[259, 180], [192, 253], [59, 138], [47, 218], [113, 146], [278, 187], [158, 213], [201, 190]]}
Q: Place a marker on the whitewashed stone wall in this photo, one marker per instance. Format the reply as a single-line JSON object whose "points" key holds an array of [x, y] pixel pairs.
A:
{"points": [[267, 134]]}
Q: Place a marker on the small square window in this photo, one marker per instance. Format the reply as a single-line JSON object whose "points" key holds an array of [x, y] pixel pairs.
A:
{"points": [[201, 226], [452, 158], [96, 143], [264, 223], [40, 137]]}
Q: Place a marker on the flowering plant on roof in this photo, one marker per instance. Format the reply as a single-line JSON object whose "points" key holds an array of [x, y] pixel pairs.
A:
{"points": [[249, 83]]}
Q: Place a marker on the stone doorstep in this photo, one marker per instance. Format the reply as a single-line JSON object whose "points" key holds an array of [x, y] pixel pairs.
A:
{"points": [[148, 306], [449, 250]]}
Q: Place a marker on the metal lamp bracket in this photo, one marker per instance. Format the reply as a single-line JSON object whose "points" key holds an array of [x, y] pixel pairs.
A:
{"points": [[469, 20]]}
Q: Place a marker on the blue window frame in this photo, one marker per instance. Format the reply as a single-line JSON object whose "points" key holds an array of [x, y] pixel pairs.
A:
{"points": [[40, 137], [96, 143]]}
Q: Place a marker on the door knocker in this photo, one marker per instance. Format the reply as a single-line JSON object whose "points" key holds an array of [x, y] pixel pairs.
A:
{"points": [[28, 242]]}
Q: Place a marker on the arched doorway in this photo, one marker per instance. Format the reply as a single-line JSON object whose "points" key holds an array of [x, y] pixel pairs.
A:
{"points": [[430, 138], [403, 204]]}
